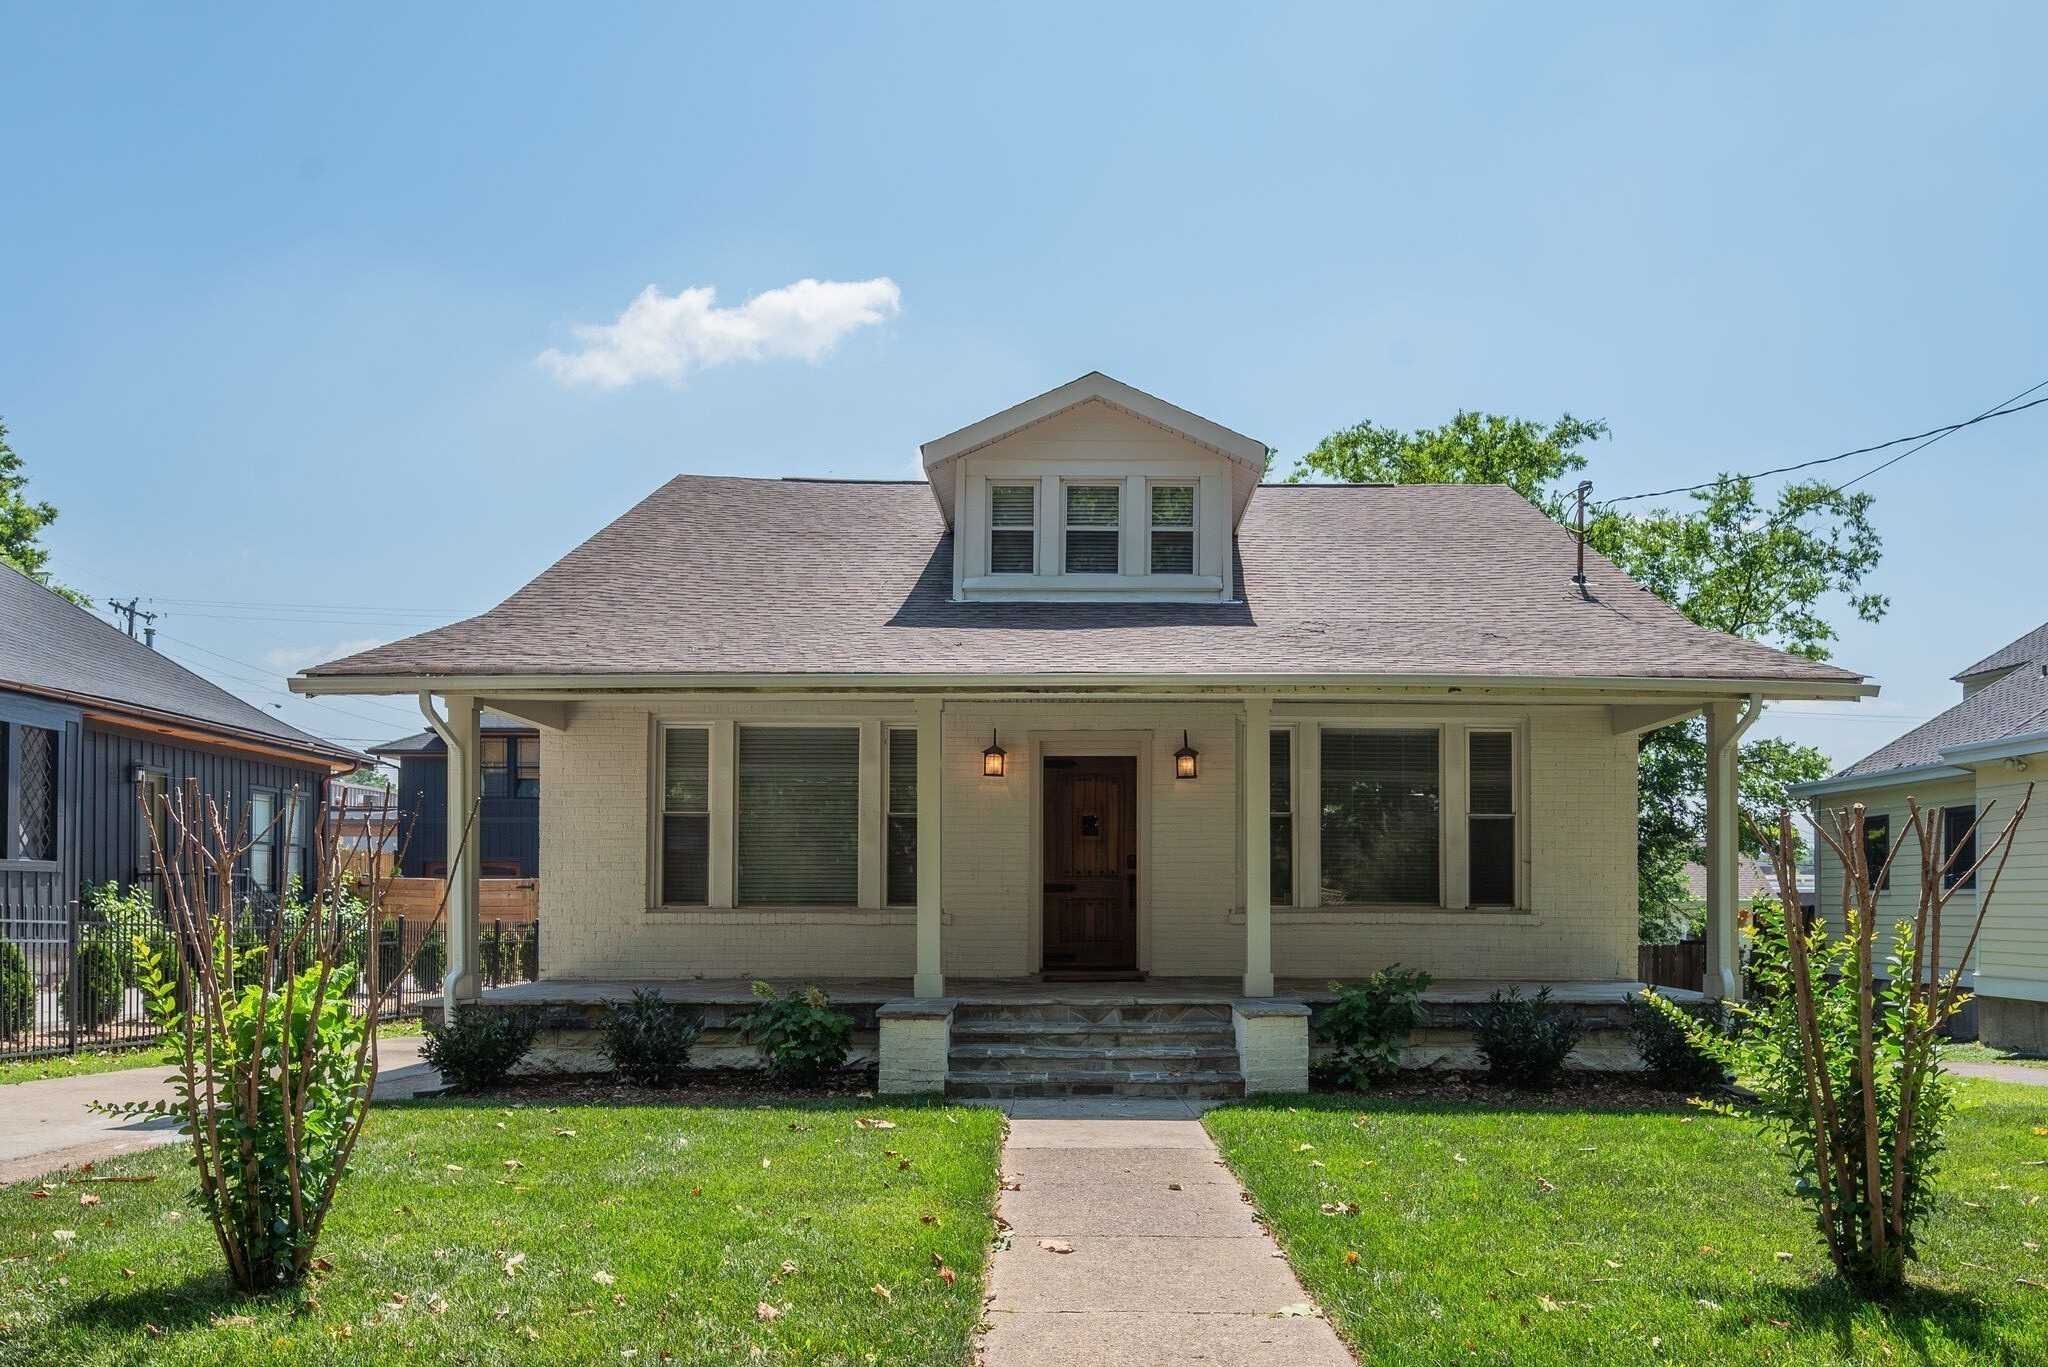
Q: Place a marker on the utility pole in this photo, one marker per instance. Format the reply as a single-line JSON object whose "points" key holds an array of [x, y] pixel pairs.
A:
{"points": [[132, 610]]}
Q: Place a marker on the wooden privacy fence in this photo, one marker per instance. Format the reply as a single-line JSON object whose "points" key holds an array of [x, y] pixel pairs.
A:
{"points": [[1681, 965], [514, 901]]}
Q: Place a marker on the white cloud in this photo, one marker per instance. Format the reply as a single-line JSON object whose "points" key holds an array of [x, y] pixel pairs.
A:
{"points": [[293, 660], [665, 337]]}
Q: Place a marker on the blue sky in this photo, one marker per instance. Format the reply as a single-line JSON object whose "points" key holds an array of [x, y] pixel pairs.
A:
{"points": [[275, 288]]}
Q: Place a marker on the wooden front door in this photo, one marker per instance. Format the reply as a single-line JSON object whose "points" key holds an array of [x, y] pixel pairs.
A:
{"points": [[1091, 863]]}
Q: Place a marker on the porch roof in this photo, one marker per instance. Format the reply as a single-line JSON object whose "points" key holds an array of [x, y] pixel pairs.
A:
{"points": [[715, 581]]}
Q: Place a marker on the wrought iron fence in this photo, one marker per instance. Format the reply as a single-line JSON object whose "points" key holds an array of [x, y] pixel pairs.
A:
{"points": [[70, 972]]}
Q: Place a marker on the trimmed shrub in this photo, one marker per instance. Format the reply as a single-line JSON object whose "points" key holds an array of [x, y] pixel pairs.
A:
{"points": [[17, 992], [800, 1034], [431, 962], [99, 985], [647, 1040], [1669, 1051], [1367, 1026], [1523, 1041], [479, 1049]]}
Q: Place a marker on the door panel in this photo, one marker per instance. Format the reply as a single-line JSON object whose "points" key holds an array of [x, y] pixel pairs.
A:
{"points": [[1091, 864]]}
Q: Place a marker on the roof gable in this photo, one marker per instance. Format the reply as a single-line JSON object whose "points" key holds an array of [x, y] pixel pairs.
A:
{"points": [[2031, 648]]}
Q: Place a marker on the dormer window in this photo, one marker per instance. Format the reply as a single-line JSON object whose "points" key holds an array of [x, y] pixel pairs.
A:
{"points": [[1173, 529], [1094, 528], [1013, 529]]}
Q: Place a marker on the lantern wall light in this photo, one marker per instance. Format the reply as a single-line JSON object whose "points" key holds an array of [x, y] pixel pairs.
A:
{"points": [[992, 758], [1184, 758]]}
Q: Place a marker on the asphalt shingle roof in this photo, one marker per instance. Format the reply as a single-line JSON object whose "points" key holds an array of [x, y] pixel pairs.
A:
{"points": [[50, 645], [715, 575], [2031, 648], [2016, 705]]}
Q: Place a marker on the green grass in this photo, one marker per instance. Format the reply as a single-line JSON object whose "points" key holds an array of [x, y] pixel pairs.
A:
{"points": [[1532, 1236], [658, 1229], [90, 1061], [1974, 1052]]}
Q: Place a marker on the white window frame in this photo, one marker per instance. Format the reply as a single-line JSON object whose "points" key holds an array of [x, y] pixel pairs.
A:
{"points": [[662, 812], [1036, 489], [1117, 486], [1193, 530], [890, 815], [1516, 816]]}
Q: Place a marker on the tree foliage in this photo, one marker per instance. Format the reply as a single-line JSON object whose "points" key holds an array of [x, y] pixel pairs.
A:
{"points": [[1767, 570], [22, 522]]}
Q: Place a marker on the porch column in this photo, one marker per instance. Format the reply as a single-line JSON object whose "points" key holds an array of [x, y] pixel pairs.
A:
{"points": [[1726, 722], [1256, 770], [929, 981], [459, 733]]}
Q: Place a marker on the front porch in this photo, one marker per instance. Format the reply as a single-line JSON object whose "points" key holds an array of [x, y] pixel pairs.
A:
{"points": [[1014, 1038]]}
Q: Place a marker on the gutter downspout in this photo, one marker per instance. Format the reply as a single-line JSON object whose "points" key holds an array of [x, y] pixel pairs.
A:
{"points": [[461, 940], [1724, 847]]}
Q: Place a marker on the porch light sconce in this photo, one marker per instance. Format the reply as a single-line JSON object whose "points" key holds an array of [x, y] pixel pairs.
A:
{"points": [[992, 758], [1184, 758]]}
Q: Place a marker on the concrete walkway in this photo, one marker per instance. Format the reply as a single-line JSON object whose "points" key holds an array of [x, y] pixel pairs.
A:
{"points": [[1130, 1243], [1999, 1072], [46, 1125]]}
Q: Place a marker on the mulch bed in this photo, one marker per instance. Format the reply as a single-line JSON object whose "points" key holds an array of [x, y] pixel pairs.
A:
{"points": [[705, 1087], [1574, 1091]]}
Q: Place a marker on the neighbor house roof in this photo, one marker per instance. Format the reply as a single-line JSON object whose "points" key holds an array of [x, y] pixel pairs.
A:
{"points": [[427, 743], [715, 576], [51, 647], [2011, 707]]}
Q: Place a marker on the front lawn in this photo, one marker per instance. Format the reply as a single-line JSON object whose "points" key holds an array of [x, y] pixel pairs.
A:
{"points": [[479, 1233], [1438, 1232], [1974, 1052], [81, 1064]]}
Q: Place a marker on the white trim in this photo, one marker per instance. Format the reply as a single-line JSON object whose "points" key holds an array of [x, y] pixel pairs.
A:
{"points": [[1888, 778], [1094, 386]]}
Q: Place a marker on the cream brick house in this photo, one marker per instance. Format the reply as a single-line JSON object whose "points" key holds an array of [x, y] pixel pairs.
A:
{"points": [[1978, 756], [1089, 704]]}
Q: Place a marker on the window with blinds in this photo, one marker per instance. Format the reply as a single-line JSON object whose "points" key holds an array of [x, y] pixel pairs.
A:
{"points": [[1490, 789], [1173, 529], [1281, 807], [797, 802], [263, 840], [1092, 529], [686, 817], [902, 819], [1013, 529], [1380, 817]]}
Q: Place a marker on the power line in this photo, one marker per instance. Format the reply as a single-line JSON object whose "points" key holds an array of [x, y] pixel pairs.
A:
{"points": [[1925, 439]]}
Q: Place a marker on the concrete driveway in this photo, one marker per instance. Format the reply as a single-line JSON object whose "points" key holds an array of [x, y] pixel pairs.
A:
{"points": [[47, 1125]]}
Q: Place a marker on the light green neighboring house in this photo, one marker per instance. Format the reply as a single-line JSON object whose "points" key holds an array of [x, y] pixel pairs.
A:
{"points": [[1978, 756]]}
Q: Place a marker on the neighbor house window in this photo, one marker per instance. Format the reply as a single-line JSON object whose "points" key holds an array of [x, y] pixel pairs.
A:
{"points": [[1173, 529], [1013, 529], [263, 840], [1959, 846], [1280, 806], [301, 807], [1877, 847], [28, 781], [798, 811], [902, 824], [526, 767], [496, 752], [1380, 817], [1490, 789], [686, 817], [152, 814], [1093, 523]]}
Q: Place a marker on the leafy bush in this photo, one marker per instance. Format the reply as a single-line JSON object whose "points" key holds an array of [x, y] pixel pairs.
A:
{"points": [[17, 992], [529, 953], [647, 1040], [800, 1034], [1523, 1041], [1367, 1026], [479, 1049], [431, 962], [97, 986], [121, 916], [1666, 1041]]}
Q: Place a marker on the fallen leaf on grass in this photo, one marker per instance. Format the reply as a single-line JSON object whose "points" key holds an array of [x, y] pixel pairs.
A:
{"points": [[322, 1265], [126, 1273], [1706, 1304], [765, 1311], [2030, 1284], [88, 1199], [764, 1162], [514, 1263], [565, 1134], [603, 1278], [1055, 1245], [1783, 1256], [232, 1321], [63, 1236], [927, 1219], [882, 1291], [1339, 1208], [152, 1331], [868, 1122], [1350, 1258], [1545, 1184]]}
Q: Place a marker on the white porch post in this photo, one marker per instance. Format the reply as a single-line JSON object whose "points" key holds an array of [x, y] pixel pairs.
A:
{"points": [[1257, 771], [930, 981], [1725, 725], [459, 734]]}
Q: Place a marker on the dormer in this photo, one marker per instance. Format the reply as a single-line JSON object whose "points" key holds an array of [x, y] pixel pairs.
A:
{"points": [[1094, 492]]}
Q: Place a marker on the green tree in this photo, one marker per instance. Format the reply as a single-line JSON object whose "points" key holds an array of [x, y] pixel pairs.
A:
{"points": [[1727, 562], [21, 522]]}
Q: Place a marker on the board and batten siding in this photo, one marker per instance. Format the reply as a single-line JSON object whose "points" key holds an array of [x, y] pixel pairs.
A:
{"points": [[1578, 921]]}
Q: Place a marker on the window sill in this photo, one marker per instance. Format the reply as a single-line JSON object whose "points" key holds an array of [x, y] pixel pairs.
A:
{"points": [[786, 916]]}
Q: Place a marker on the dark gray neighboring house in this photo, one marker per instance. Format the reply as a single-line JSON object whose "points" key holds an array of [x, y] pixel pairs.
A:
{"points": [[88, 718], [508, 814]]}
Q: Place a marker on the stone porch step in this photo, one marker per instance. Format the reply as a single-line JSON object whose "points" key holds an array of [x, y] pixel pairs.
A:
{"points": [[1085, 1058], [1113, 1014], [1093, 1048], [1018, 1085]]}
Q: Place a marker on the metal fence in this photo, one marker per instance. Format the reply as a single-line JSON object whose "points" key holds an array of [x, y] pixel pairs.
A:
{"points": [[70, 973]]}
